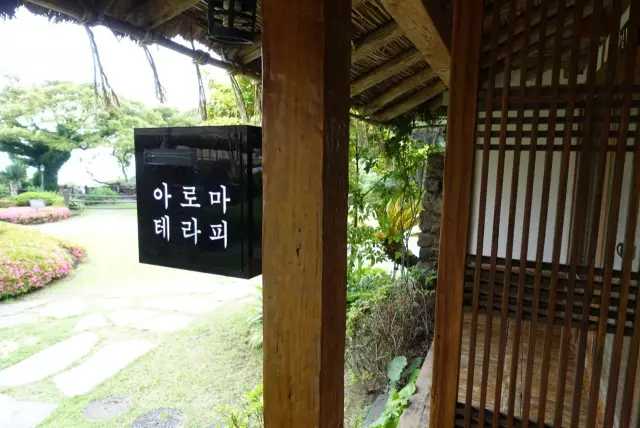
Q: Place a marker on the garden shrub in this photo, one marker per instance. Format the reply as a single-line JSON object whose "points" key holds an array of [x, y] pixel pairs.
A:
{"points": [[6, 203], [101, 195], [27, 215], [49, 198], [395, 319], [30, 260]]}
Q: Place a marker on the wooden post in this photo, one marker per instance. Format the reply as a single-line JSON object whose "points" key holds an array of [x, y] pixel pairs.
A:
{"points": [[306, 49], [459, 167]]}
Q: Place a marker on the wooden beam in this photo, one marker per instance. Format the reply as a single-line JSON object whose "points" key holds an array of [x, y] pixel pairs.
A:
{"points": [[418, 25], [250, 53], [74, 10], [153, 13], [375, 40], [410, 103], [456, 210], [305, 152], [399, 90], [385, 71]]}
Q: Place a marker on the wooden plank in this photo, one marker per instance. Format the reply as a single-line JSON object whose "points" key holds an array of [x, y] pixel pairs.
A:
{"points": [[418, 25], [610, 71], [249, 54], [385, 71], [467, 28], [375, 40], [153, 13], [513, 199], [410, 103], [399, 90], [541, 239], [306, 98]]}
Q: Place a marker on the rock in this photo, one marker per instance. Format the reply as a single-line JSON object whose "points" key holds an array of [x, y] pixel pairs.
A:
{"points": [[65, 309], [160, 418], [7, 347], [16, 320], [194, 305], [131, 317], [166, 323], [9, 309], [23, 414], [49, 361], [101, 366], [107, 408], [376, 409], [91, 322]]}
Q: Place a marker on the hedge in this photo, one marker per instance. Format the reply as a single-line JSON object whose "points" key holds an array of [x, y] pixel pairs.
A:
{"points": [[49, 198], [30, 260], [27, 215]]}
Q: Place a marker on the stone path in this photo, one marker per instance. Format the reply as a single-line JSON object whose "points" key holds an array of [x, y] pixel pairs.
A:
{"points": [[23, 414], [119, 311], [48, 362], [100, 366]]}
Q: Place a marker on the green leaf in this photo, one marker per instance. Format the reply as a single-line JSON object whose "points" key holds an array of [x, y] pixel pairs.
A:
{"points": [[395, 369]]}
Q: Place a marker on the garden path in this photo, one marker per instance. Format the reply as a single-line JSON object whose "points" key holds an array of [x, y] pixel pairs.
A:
{"points": [[107, 314]]}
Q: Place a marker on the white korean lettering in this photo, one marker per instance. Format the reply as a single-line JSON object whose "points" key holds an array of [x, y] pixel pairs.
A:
{"points": [[190, 230], [220, 198], [159, 194], [162, 227], [219, 232], [189, 193]]}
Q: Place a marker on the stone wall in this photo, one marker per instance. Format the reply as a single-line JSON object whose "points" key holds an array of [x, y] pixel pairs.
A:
{"points": [[430, 219]]}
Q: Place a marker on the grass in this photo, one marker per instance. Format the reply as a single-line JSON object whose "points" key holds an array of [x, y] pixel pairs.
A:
{"points": [[198, 370], [33, 338]]}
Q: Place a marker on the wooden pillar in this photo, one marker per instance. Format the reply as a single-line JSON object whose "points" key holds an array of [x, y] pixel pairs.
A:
{"points": [[459, 167], [306, 48]]}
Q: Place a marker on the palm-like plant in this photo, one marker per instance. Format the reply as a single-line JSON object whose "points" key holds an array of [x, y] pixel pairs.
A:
{"points": [[14, 175]]}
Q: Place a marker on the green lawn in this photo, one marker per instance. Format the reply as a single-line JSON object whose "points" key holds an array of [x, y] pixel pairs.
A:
{"points": [[198, 370]]}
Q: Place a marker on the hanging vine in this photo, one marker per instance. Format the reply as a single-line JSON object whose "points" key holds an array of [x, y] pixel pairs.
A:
{"points": [[101, 86], [160, 91]]}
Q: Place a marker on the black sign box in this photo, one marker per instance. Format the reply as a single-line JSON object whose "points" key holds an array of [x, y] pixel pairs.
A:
{"points": [[200, 198]]}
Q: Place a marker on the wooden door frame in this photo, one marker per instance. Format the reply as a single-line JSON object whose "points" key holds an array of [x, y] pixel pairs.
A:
{"points": [[306, 62], [459, 168]]}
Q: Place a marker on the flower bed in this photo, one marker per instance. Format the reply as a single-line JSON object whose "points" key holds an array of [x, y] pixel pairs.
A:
{"points": [[27, 215], [31, 260]]}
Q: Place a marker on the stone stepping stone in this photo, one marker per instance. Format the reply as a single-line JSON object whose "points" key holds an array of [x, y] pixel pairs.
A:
{"points": [[61, 310], [107, 408], [91, 322], [100, 366], [131, 317], [49, 361], [9, 309], [166, 323], [17, 320], [160, 418], [23, 414], [195, 305]]}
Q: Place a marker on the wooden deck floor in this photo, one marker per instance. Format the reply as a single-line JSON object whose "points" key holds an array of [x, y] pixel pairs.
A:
{"points": [[554, 378]]}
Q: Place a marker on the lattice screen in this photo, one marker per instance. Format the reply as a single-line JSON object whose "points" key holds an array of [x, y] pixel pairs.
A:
{"points": [[551, 336]]}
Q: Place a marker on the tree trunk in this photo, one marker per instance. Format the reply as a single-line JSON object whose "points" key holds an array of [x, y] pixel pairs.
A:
{"points": [[52, 163]]}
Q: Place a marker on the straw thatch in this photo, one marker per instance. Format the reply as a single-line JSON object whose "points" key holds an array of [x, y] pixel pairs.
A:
{"points": [[391, 76]]}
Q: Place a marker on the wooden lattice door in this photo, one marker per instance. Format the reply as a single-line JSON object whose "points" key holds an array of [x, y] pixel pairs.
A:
{"points": [[549, 333]]}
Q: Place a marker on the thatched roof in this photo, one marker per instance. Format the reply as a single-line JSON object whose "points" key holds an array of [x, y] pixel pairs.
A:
{"points": [[400, 56]]}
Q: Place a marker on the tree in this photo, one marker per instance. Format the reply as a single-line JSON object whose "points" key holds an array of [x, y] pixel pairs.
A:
{"points": [[14, 175], [119, 123], [235, 103], [43, 124]]}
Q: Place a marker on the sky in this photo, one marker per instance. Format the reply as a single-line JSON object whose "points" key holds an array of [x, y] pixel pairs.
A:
{"points": [[41, 51]]}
